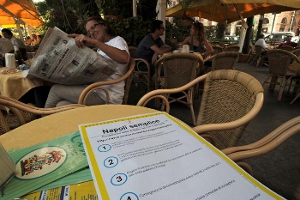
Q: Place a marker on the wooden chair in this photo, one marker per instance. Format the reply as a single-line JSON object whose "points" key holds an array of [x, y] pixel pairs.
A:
{"points": [[178, 69], [264, 145], [223, 60], [279, 61], [234, 48], [230, 100], [99, 85], [142, 69], [23, 113]]}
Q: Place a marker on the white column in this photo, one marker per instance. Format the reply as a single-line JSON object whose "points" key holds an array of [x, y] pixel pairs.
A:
{"points": [[161, 9], [134, 12]]}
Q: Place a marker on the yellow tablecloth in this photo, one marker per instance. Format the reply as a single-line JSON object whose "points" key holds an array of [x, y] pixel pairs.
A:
{"points": [[15, 85]]}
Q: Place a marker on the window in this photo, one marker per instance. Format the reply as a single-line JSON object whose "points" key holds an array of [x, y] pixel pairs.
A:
{"points": [[284, 20]]}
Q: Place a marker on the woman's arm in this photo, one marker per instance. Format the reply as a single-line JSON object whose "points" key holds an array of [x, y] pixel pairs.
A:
{"points": [[208, 47], [120, 56]]}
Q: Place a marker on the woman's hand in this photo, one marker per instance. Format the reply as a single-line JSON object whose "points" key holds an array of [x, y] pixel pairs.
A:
{"points": [[82, 40]]}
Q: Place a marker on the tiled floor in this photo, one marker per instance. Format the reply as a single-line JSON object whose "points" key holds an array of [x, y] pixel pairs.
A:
{"points": [[279, 169]]}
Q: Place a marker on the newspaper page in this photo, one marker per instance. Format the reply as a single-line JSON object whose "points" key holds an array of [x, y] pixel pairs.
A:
{"points": [[59, 60]]}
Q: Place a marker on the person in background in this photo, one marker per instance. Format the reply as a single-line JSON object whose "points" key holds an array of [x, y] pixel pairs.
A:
{"points": [[287, 42], [109, 45], [18, 44], [197, 40], [152, 45], [28, 41], [261, 42]]}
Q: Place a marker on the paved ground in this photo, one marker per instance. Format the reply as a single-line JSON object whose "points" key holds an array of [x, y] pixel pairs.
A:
{"points": [[280, 169]]}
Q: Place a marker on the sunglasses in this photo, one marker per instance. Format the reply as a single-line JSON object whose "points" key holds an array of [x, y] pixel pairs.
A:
{"points": [[92, 28]]}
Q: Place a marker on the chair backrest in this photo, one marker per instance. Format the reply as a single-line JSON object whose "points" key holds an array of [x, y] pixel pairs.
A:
{"points": [[258, 50], [286, 48], [279, 61], [228, 95], [217, 49], [127, 77], [234, 48], [132, 51], [230, 100], [224, 60], [23, 112], [178, 68]]}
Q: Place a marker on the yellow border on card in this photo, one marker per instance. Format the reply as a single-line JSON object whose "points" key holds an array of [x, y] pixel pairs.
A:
{"points": [[99, 179]]}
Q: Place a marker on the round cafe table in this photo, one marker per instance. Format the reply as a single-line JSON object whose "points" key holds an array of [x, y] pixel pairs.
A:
{"points": [[59, 124]]}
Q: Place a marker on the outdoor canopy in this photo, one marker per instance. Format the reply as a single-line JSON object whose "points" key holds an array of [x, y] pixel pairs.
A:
{"points": [[19, 11], [227, 11]]}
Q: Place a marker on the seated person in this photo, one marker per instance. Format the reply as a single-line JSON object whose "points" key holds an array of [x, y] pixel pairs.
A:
{"points": [[18, 44], [261, 42], [113, 47], [197, 40], [288, 42], [152, 45]]}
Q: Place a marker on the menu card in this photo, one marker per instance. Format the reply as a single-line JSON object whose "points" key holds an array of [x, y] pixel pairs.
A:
{"points": [[155, 156]]}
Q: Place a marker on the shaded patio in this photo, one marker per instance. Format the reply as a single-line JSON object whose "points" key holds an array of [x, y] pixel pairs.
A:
{"points": [[278, 170]]}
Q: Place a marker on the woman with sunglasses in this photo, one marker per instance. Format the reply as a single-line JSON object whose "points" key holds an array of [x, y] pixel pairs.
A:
{"points": [[113, 47]]}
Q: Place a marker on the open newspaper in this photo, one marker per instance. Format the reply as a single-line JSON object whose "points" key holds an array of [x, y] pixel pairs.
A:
{"points": [[59, 60]]}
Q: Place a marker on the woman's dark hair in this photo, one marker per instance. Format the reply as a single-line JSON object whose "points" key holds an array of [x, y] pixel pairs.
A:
{"points": [[198, 26], [101, 21], [6, 30]]}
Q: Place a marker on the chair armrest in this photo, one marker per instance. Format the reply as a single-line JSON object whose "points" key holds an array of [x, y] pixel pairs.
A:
{"points": [[97, 85], [267, 143]]}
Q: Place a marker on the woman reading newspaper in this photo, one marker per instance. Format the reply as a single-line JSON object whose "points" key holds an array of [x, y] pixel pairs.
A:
{"points": [[102, 37]]}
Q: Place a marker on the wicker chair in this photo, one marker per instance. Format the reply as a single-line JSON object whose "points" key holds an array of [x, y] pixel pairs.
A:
{"points": [[234, 48], [217, 49], [142, 69], [259, 58], [279, 61], [223, 60], [264, 145], [178, 69], [296, 51], [286, 48], [22, 112], [99, 85], [230, 100]]}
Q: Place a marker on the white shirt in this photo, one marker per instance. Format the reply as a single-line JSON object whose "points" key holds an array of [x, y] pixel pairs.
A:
{"points": [[116, 91], [261, 42], [17, 43]]}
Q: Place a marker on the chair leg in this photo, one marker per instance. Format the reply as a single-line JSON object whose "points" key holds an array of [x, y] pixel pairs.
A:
{"points": [[298, 95], [282, 85]]}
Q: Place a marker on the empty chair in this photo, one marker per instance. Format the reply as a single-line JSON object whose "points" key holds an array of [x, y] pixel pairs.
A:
{"points": [[178, 69], [142, 69], [279, 61], [223, 60], [234, 48], [230, 100], [127, 78]]}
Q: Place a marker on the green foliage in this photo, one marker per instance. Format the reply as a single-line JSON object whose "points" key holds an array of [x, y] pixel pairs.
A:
{"points": [[132, 29]]}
